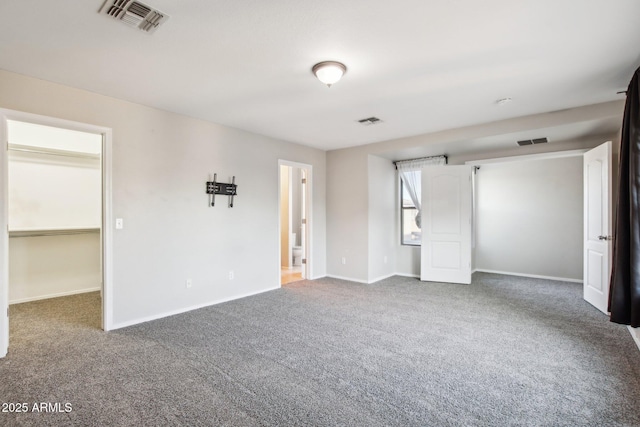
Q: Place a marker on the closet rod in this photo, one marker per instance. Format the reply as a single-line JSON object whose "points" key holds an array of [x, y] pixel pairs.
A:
{"points": [[52, 151], [446, 159]]}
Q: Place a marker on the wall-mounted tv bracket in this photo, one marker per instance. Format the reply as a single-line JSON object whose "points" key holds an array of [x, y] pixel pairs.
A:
{"points": [[214, 188]]}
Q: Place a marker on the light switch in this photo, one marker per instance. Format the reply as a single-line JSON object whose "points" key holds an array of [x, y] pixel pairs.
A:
{"points": [[119, 224]]}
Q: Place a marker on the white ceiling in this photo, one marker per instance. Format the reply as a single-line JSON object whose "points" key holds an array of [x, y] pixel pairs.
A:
{"points": [[421, 66]]}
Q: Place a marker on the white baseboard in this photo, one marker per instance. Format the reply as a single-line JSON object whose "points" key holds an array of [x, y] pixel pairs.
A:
{"points": [[56, 295], [377, 279], [635, 334], [349, 279], [533, 276], [185, 309], [415, 276]]}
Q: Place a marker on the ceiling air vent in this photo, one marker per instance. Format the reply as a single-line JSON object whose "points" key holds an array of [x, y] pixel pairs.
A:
{"points": [[134, 14], [370, 121], [533, 141]]}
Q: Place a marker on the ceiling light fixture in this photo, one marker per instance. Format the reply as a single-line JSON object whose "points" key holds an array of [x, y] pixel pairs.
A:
{"points": [[503, 101], [329, 72]]}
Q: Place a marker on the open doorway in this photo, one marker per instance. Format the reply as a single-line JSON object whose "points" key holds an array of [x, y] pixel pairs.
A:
{"points": [[56, 202], [529, 215], [294, 184], [55, 212]]}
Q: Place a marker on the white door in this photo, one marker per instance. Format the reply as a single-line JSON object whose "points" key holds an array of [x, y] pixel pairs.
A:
{"points": [[597, 226], [446, 224]]}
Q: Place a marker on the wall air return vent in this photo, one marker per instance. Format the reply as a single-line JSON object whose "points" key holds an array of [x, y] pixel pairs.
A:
{"points": [[533, 141], [134, 14], [370, 121]]}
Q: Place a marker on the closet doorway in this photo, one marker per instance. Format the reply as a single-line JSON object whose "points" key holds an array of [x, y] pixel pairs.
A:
{"points": [[54, 195], [295, 224]]}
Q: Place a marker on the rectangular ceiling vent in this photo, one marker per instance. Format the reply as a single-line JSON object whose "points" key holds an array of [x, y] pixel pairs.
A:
{"points": [[533, 141], [370, 121], [134, 14]]}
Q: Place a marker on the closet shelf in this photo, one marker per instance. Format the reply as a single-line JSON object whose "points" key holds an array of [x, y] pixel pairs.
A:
{"points": [[52, 151]]}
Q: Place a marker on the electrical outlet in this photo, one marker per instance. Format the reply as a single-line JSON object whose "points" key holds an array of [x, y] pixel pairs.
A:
{"points": [[231, 275], [385, 259], [344, 260], [188, 283]]}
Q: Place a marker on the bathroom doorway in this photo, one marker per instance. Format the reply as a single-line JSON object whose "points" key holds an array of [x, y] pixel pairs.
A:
{"points": [[294, 189]]}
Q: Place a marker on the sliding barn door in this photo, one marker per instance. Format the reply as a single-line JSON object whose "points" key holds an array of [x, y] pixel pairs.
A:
{"points": [[597, 226], [446, 224]]}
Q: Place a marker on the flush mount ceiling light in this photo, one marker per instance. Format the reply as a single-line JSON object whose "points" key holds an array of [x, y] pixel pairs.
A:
{"points": [[503, 101], [329, 72]]}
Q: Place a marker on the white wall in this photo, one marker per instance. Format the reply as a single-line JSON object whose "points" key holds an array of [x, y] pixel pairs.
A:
{"points": [[348, 180], [530, 217], [53, 192], [383, 220], [347, 215], [161, 162], [52, 266], [408, 260], [49, 137]]}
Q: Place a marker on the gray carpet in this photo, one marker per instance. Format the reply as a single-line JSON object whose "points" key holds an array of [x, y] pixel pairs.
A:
{"points": [[502, 351]]}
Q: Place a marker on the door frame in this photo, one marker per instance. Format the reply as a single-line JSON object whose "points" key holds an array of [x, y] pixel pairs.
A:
{"points": [[308, 266], [107, 214]]}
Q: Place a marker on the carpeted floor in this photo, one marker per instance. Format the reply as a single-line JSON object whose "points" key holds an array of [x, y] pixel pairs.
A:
{"points": [[501, 351]]}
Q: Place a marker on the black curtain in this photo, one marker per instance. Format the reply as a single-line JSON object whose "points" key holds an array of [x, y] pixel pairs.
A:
{"points": [[624, 294]]}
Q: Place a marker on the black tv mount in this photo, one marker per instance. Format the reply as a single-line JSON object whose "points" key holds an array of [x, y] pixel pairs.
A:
{"points": [[225, 189]]}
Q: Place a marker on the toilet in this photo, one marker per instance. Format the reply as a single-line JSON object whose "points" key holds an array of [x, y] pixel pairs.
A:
{"points": [[297, 251], [297, 256]]}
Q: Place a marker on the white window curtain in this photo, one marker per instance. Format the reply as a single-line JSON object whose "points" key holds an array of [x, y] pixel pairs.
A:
{"points": [[410, 173]]}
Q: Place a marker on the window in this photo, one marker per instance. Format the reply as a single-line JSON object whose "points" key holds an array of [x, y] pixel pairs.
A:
{"points": [[411, 234], [410, 172]]}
